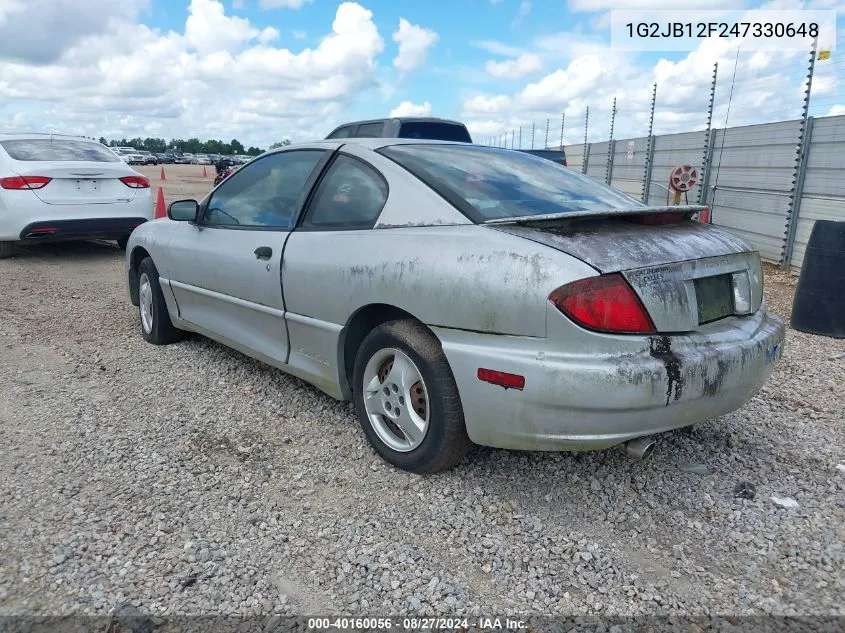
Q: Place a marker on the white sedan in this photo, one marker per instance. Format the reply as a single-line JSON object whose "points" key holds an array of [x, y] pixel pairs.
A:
{"points": [[56, 187]]}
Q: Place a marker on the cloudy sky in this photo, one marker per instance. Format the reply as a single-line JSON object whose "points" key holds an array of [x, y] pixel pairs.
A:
{"points": [[264, 70]]}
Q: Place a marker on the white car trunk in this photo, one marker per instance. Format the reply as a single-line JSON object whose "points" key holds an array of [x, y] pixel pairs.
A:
{"points": [[79, 182]]}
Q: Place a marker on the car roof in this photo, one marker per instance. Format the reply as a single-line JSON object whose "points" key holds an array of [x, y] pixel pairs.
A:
{"points": [[15, 136], [403, 119], [369, 143]]}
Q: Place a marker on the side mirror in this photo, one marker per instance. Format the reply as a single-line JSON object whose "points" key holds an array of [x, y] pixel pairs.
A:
{"points": [[183, 210]]}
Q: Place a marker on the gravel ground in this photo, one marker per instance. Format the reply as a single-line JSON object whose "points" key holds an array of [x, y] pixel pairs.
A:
{"points": [[190, 479]]}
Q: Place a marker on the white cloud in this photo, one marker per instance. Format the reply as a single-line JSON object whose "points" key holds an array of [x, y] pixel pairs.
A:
{"points": [[287, 4], [524, 8], [40, 31], [221, 77], [299, 35], [414, 42], [526, 64], [406, 108], [585, 72]]}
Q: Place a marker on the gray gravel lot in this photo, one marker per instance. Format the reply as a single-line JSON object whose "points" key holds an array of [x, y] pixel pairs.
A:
{"points": [[189, 479]]}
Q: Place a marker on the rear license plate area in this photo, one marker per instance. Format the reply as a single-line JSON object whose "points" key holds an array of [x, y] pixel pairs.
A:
{"points": [[714, 296], [87, 185]]}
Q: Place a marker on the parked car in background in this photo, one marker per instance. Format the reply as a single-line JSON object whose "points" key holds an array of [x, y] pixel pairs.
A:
{"points": [[429, 128], [188, 158], [56, 187], [554, 155], [460, 293], [405, 127], [149, 157], [165, 158], [200, 159], [130, 155]]}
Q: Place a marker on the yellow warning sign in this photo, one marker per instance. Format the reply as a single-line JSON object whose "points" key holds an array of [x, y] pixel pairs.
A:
{"points": [[823, 54]]}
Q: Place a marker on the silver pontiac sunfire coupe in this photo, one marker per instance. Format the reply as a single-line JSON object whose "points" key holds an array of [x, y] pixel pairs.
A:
{"points": [[461, 293]]}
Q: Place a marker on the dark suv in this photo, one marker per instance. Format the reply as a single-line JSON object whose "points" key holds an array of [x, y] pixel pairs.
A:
{"points": [[405, 127], [425, 128]]}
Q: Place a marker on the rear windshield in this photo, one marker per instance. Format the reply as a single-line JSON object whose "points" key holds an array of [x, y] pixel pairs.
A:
{"points": [[434, 131], [488, 183], [39, 149]]}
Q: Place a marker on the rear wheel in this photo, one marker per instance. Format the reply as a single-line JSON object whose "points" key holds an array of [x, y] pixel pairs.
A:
{"points": [[156, 326], [407, 400], [5, 250]]}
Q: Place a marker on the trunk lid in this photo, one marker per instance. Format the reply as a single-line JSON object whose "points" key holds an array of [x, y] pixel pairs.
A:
{"points": [[79, 182], [686, 274]]}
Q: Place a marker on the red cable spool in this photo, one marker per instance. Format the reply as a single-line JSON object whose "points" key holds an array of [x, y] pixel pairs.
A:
{"points": [[683, 178]]}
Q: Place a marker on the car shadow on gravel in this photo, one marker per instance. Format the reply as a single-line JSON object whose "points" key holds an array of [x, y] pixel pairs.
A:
{"points": [[68, 251]]}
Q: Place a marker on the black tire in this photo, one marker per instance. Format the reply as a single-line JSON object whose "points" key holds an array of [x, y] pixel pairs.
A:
{"points": [[122, 242], [162, 331], [6, 250], [446, 441]]}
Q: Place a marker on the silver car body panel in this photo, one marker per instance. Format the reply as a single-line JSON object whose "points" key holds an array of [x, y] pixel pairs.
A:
{"points": [[483, 291]]}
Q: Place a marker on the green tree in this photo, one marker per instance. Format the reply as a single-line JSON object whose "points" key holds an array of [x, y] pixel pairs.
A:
{"points": [[254, 151], [236, 146]]}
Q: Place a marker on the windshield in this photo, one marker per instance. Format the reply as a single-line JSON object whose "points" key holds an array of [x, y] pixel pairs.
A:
{"points": [[37, 149], [488, 183]]}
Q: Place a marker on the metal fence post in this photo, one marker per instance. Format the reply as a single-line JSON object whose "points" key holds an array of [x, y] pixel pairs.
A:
{"points": [[611, 147], [547, 135], [708, 165], [513, 136], [649, 151], [562, 119], [586, 147], [802, 150], [520, 137], [532, 136], [708, 145]]}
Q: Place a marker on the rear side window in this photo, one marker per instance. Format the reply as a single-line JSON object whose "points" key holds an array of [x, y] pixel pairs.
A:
{"points": [[351, 196], [344, 132], [434, 131], [42, 149], [370, 130]]}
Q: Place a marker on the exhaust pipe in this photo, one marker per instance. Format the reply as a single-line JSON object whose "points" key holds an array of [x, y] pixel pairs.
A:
{"points": [[640, 447]]}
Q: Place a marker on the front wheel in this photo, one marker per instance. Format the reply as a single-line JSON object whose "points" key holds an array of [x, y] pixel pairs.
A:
{"points": [[407, 400], [156, 326]]}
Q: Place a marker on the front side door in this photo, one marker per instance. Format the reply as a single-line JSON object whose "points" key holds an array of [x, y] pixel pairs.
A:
{"points": [[227, 267]]}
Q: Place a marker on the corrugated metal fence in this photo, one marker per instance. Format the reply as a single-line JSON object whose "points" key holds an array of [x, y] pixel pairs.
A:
{"points": [[755, 177]]}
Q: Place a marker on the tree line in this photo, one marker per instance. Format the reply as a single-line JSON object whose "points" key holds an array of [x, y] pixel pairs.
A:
{"points": [[191, 145]]}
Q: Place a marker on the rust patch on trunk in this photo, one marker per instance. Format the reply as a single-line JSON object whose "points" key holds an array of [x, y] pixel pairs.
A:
{"points": [[660, 347]]}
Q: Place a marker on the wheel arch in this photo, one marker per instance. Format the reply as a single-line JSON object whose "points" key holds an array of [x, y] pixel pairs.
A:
{"points": [[139, 253], [362, 322]]}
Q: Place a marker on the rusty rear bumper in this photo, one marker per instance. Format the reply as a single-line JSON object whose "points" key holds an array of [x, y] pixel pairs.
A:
{"points": [[586, 401]]}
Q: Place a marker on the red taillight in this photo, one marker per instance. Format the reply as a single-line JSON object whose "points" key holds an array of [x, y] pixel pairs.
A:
{"points": [[704, 216], [24, 182], [136, 182], [501, 378], [605, 304]]}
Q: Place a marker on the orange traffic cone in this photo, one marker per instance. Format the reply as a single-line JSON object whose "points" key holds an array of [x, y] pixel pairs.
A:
{"points": [[162, 177], [161, 209], [204, 173]]}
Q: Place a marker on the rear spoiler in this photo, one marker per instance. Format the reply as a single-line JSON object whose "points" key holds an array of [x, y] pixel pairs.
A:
{"points": [[687, 210]]}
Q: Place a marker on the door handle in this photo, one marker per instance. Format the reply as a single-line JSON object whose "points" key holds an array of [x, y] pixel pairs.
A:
{"points": [[263, 252]]}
